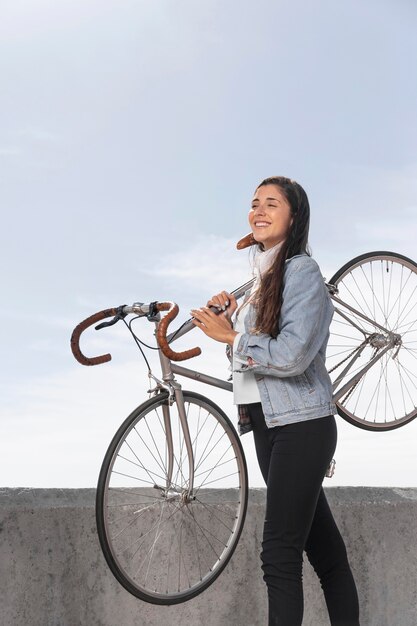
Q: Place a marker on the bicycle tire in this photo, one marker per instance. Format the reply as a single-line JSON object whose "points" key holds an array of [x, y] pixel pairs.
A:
{"points": [[161, 549], [383, 286]]}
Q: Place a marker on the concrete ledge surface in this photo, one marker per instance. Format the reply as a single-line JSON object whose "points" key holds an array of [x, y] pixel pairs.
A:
{"points": [[52, 571]]}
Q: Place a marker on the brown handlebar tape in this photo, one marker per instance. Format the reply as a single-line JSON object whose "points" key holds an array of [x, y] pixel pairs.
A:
{"points": [[76, 334], [161, 334]]}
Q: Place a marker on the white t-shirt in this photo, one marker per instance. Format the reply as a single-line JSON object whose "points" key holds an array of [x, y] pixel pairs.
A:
{"points": [[245, 387]]}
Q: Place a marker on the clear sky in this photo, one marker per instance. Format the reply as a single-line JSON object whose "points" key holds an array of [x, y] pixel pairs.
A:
{"points": [[132, 135]]}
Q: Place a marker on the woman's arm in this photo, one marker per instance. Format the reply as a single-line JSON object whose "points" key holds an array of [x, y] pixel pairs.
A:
{"points": [[217, 326], [305, 319]]}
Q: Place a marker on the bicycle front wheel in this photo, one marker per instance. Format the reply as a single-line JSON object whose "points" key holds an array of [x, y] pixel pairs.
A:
{"points": [[163, 546], [382, 286]]}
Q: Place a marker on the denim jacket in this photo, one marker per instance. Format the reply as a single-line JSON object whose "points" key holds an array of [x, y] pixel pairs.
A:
{"points": [[290, 370]]}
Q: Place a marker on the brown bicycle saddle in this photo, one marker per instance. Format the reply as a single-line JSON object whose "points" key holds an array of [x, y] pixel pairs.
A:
{"points": [[246, 242]]}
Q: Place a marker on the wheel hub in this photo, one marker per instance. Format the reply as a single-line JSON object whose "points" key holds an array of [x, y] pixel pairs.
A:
{"points": [[379, 341]]}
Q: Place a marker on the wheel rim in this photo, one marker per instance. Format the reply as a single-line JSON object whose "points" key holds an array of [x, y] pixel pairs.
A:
{"points": [[382, 286], [164, 544]]}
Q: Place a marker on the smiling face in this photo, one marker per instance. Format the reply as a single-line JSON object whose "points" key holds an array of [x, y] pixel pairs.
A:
{"points": [[270, 216]]}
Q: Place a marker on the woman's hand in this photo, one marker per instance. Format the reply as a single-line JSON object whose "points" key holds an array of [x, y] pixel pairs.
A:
{"points": [[225, 302], [215, 325]]}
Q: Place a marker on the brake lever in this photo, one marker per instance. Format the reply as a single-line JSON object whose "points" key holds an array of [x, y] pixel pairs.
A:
{"points": [[119, 316]]}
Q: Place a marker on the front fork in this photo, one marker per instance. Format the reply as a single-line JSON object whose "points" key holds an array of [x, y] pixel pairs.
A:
{"points": [[178, 398], [175, 396]]}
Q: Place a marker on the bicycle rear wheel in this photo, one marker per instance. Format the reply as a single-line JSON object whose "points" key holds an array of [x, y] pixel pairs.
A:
{"points": [[162, 547], [383, 287]]}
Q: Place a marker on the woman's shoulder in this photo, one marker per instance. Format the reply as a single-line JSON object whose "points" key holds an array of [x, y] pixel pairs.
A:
{"points": [[303, 272], [301, 261]]}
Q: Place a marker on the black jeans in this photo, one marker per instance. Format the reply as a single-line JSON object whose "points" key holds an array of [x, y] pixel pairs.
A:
{"points": [[293, 460]]}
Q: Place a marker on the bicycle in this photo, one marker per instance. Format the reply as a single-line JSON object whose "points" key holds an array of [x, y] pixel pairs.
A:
{"points": [[173, 487]]}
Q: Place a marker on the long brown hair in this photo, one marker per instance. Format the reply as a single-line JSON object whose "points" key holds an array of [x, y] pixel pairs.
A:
{"points": [[269, 296]]}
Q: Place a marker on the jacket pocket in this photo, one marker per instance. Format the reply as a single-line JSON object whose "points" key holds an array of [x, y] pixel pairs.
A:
{"points": [[310, 375], [307, 389]]}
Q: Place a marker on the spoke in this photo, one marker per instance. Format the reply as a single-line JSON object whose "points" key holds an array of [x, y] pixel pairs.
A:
{"points": [[217, 480], [409, 325], [387, 390], [134, 520], [132, 493], [383, 291], [139, 464], [160, 423], [403, 317], [153, 546], [373, 296], [409, 373], [359, 392], [400, 292], [401, 385], [345, 336], [197, 551], [210, 508], [143, 537], [389, 289], [205, 448], [214, 446], [150, 551], [180, 560], [133, 505], [410, 352], [352, 323], [410, 329], [163, 469], [141, 480], [372, 397], [195, 448], [378, 389], [372, 289], [217, 464], [168, 566], [201, 427], [332, 356], [354, 297], [205, 530]]}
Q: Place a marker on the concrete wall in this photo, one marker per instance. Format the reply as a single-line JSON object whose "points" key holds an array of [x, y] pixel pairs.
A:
{"points": [[52, 572]]}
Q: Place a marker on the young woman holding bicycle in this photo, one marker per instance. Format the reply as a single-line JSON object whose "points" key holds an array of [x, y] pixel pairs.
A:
{"points": [[284, 395]]}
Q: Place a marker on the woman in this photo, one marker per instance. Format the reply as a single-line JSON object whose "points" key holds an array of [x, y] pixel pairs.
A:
{"points": [[284, 395]]}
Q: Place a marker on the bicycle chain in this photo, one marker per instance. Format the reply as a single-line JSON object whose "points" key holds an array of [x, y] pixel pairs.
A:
{"points": [[348, 357]]}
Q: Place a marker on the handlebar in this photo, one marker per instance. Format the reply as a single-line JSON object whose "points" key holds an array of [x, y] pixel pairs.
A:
{"points": [[150, 311], [80, 328], [161, 334], [119, 313]]}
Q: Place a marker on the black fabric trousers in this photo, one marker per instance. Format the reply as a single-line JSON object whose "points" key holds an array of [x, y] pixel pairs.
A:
{"points": [[293, 460]]}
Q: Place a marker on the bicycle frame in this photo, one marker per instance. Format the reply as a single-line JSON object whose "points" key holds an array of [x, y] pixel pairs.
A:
{"points": [[169, 369]]}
